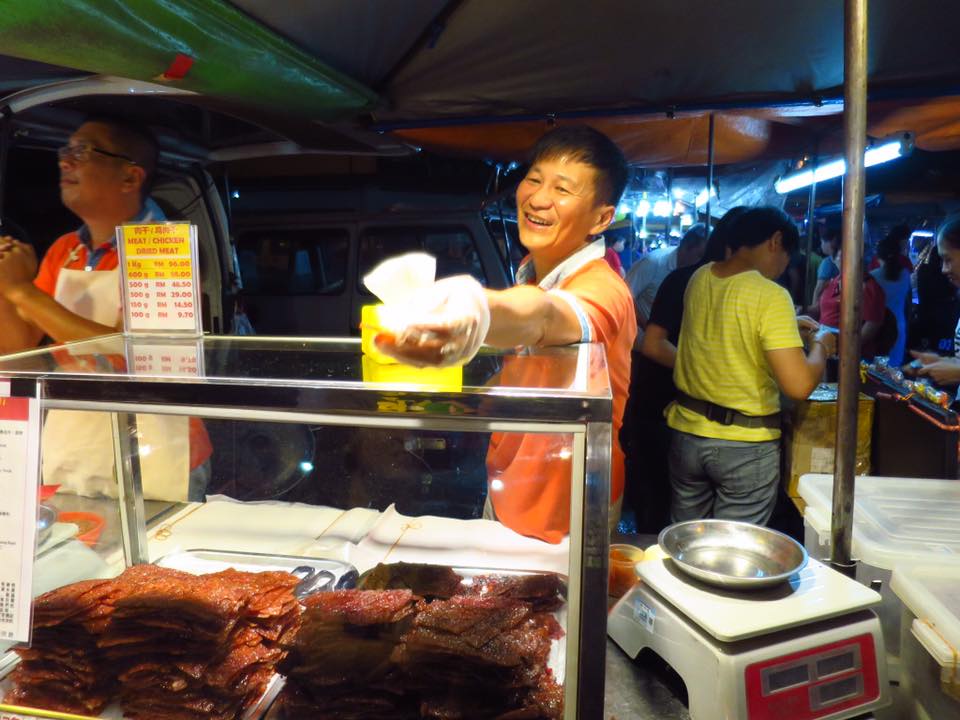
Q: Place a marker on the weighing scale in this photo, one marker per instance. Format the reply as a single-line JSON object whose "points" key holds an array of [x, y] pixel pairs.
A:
{"points": [[808, 649]]}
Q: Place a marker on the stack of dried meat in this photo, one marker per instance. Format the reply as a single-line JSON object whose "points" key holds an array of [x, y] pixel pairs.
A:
{"points": [[185, 646], [478, 651], [481, 657], [174, 646], [339, 663], [62, 670]]}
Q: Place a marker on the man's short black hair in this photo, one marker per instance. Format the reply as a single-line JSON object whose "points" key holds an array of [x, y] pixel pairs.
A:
{"points": [[756, 226], [582, 143], [832, 231], [136, 142], [949, 232], [695, 235]]}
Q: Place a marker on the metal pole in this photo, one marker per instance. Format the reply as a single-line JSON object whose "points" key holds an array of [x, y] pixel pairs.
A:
{"points": [[126, 458], [709, 170], [854, 130], [6, 136], [511, 271], [811, 204], [668, 221]]}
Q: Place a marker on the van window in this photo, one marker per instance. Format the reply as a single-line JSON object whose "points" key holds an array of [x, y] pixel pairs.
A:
{"points": [[454, 249], [305, 261]]}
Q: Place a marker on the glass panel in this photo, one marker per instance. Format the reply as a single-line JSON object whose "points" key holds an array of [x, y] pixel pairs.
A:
{"points": [[359, 503], [309, 261], [372, 497], [81, 539], [575, 370]]}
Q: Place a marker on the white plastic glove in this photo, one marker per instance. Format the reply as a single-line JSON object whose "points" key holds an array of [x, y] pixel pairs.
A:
{"points": [[440, 325]]}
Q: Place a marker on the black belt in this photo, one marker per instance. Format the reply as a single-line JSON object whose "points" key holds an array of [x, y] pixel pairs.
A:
{"points": [[727, 416]]}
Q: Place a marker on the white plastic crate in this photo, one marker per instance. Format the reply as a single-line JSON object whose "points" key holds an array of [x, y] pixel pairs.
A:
{"points": [[896, 522], [930, 640]]}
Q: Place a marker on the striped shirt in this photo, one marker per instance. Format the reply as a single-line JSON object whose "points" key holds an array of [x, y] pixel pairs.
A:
{"points": [[728, 325]]}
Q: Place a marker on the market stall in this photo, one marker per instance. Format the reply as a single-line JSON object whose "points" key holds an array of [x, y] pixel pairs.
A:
{"points": [[335, 547], [445, 64], [915, 429]]}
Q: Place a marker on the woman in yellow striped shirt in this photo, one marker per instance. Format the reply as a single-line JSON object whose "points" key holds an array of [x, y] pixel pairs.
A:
{"points": [[739, 348]]}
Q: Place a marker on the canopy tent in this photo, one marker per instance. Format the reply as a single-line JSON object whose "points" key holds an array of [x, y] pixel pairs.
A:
{"points": [[194, 45], [486, 78], [473, 58], [740, 135]]}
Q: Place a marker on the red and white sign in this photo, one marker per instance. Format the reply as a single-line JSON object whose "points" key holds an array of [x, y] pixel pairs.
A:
{"points": [[161, 284], [19, 485]]}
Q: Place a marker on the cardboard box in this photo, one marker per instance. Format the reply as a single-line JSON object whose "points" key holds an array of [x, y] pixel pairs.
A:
{"points": [[810, 432]]}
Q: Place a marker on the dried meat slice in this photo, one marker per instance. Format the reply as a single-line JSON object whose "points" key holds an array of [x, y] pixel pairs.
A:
{"points": [[228, 672], [298, 704], [545, 591], [45, 698], [361, 607], [428, 581], [473, 620], [67, 602], [40, 671], [210, 602]]}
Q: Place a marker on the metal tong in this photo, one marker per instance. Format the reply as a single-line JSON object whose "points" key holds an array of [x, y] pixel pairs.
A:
{"points": [[312, 580]]}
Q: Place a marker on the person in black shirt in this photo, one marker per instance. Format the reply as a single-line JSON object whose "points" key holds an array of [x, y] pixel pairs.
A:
{"points": [[938, 306], [645, 436]]}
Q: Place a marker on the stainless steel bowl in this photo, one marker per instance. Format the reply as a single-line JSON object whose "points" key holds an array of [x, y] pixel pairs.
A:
{"points": [[46, 517], [732, 555]]}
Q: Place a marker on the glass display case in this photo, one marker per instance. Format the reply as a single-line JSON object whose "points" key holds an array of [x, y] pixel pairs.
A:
{"points": [[266, 454]]}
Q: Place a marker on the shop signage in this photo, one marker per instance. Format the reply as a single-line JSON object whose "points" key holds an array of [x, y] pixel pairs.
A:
{"points": [[19, 486], [161, 283]]}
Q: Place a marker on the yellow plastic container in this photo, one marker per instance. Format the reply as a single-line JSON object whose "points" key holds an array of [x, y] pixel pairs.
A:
{"points": [[447, 379], [369, 327]]}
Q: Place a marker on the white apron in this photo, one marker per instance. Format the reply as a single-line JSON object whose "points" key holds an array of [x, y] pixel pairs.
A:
{"points": [[78, 445]]}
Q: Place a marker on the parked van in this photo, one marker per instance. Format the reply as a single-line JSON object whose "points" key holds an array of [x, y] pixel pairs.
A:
{"points": [[303, 274], [297, 257], [293, 259]]}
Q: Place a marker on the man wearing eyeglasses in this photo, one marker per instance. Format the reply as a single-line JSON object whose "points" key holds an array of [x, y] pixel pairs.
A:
{"points": [[105, 175], [106, 171]]}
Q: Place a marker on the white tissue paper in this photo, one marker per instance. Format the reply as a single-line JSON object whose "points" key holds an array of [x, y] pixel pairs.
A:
{"points": [[417, 309], [396, 280]]}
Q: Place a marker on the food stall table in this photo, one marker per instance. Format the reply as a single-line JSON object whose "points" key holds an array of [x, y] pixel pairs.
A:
{"points": [[554, 398]]}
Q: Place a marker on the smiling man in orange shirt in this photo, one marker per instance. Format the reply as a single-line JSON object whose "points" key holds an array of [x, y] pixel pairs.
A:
{"points": [[566, 293]]}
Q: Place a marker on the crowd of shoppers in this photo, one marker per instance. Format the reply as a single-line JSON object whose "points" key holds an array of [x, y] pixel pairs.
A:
{"points": [[722, 344]]}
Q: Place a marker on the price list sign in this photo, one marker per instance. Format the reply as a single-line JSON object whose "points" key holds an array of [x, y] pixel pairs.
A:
{"points": [[160, 279], [19, 485], [175, 358]]}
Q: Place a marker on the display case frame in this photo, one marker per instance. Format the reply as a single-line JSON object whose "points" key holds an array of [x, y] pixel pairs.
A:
{"points": [[583, 409]]}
